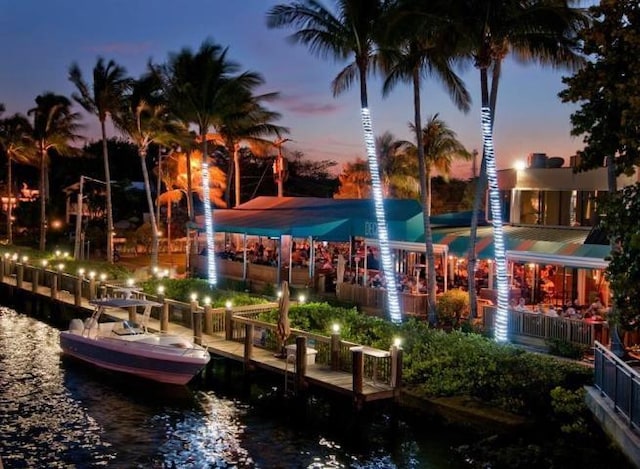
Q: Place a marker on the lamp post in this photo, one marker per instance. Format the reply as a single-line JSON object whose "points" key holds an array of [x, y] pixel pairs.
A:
{"points": [[79, 214]]}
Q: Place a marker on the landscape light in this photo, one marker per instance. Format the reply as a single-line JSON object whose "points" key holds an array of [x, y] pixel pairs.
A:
{"points": [[397, 342], [207, 300], [60, 266], [25, 259], [301, 298], [44, 262], [212, 278], [103, 277], [81, 272], [335, 328], [498, 231], [58, 253], [383, 236], [65, 254], [194, 296], [92, 274], [228, 304], [161, 289], [130, 282]]}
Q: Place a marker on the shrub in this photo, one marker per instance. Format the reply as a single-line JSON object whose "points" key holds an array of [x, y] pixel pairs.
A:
{"points": [[451, 306], [181, 290], [563, 348]]}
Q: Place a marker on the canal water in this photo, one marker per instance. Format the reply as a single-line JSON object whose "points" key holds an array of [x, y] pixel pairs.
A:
{"points": [[56, 413]]}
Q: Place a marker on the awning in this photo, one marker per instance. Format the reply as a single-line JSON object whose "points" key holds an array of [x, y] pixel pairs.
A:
{"points": [[563, 244]]}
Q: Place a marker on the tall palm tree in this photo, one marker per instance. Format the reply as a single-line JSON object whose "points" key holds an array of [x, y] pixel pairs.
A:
{"points": [[417, 46], [540, 31], [102, 99], [54, 127], [349, 32], [245, 122], [16, 141], [197, 85], [144, 118], [355, 181]]}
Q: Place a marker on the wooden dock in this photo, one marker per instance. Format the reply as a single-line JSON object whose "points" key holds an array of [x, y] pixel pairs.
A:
{"points": [[362, 373]]}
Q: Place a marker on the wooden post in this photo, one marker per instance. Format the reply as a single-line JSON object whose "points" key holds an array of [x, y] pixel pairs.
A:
{"points": [[34, 280], [192, 311], [92, 287], [248, 346], [77, 293], [357, 356], [19, 274], [2, 267], [60, 285], [164, 314], [197, 326], [301, 362], [133, 311], [208, 319], [396, 366], [228, 323], [54, 287], [335, 351]]}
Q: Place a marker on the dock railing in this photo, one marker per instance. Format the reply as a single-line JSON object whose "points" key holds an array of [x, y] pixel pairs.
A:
{"points": [[620, 383]]}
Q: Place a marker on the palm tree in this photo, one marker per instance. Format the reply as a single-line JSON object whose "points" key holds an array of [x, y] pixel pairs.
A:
{"points": [[417, 46], [16, 140], [245, 122], [103, 99], [54, 126], [540, 31], [355, 181], [397, 167], [144, 118], [350, 32], [197, 86]]}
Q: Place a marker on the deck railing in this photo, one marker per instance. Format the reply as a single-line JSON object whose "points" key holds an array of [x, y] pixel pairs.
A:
{"points": [[620, 383], [541, 326]]}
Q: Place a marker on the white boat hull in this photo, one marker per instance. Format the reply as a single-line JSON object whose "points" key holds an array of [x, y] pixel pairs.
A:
{"points": [[145, 356]]}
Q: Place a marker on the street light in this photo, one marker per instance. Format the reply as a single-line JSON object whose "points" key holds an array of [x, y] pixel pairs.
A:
{"points": [[79, 213]]}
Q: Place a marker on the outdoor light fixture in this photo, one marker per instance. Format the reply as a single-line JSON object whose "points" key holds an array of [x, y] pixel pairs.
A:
{"points": [[228, 304], [212, 278], [160, 289], [279, 294], [301, 298], [194, 296], [44, 262], [92, 275], [383, 236], [335, 328], [81, 272], [103, 277], [60, 266], [14, 257], [207, 301], [58, 253], [25, 259], [397, 342], [65, 254], [130, 282], [498, 231], [6, 255]]}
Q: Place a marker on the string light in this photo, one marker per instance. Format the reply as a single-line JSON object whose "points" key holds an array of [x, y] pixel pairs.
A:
{"points": [[498, 231], [212, 278], [383, 235]]}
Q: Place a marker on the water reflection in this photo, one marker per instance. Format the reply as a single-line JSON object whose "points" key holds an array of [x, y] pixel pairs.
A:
{"points": [[57, 414]]}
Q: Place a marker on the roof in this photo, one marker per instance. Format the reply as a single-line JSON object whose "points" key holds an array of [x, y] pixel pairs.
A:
{"points": [[566, 244], [326, 219]]}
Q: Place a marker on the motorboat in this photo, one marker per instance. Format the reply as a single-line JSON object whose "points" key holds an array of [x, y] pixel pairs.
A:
{"points": [[130, 347]]}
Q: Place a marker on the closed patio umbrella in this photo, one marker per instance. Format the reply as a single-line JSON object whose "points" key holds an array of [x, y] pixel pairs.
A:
{"points": [[284, 329]]}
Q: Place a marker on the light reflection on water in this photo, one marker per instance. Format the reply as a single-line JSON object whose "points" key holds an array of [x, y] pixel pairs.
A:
{"points": [[59, 414]]}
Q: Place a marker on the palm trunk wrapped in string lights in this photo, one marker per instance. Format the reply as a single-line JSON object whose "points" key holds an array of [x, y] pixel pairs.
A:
{"points": [[212, 277], [498, 231], [383, 235]]}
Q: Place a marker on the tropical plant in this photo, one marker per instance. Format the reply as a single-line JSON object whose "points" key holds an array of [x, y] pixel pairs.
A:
{"points": [[349, 32], [397, 168], [144, 118], [540, 31], [103, 99], [355, 181], [16, 141], [54, 127], [197, 86]]}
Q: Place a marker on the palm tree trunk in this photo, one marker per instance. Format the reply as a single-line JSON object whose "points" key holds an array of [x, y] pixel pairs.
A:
{"points": [[425, 196], [43, 202], [385, 253], [107, 180], [147, 188], [9, 198]]}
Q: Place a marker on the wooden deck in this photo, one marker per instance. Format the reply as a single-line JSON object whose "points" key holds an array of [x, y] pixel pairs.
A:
{"points": [[362, 378]]}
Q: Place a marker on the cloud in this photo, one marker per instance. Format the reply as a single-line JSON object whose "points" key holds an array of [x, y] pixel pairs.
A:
{"points": [[123, 48], [302, 106]]}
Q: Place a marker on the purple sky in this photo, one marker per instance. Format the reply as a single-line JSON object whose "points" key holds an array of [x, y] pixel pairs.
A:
{"points": [[40, 39]]}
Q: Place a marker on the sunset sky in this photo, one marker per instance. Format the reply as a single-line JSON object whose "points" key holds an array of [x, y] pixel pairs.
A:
{"points": [[40, 39]]}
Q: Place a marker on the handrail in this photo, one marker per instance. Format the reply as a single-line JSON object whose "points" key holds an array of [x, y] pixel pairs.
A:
{"points": [[619, 382]]}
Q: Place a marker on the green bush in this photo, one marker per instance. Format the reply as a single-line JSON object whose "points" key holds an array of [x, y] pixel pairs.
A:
{"points": [[563, 348], [452, 305], [181, 290]]}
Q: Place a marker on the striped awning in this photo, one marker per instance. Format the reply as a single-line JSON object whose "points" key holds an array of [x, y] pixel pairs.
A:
{"points": [[565, 243]]}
